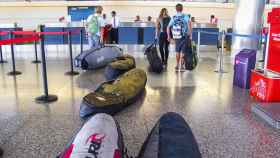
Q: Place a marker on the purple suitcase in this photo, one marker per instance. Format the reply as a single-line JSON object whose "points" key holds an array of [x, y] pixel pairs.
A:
{"points": [[244, 62]]}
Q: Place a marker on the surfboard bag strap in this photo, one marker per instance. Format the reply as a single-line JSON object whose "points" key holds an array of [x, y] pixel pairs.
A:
{"points": [[170, 138]]}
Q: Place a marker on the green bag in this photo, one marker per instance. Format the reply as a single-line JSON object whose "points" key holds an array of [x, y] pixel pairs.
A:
{"points": [[93, 26]]}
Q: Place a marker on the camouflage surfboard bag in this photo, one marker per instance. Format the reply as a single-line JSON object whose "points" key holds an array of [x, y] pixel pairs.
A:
{"points": [[119, 66], [113, 96]]}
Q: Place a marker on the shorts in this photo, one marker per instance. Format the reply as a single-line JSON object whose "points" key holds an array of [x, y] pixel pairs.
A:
{"points": [[180, 45]]}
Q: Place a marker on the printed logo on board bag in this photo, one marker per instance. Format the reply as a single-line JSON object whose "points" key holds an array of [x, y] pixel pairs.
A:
{"points": [[100, 59], [95, 141], [260, 89]]}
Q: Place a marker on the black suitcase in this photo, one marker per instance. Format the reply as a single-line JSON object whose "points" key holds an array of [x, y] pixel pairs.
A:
{"points": [[190, 57], [153, 58]]}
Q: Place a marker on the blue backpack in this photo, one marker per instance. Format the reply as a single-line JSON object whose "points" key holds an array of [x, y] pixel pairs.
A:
{"points": [[179, 26]]}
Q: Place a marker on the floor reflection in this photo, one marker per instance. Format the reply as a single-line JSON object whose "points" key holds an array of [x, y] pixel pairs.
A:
{"points": [[218, 113]]}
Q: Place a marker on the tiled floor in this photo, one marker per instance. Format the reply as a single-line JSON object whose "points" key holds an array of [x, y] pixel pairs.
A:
{"points": [[218, 113]]}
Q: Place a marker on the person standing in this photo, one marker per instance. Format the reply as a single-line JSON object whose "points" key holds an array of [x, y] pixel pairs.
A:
{"points": [[137, 19], [181, 28], [162, 23], [115, 22], [213, 20], [95, 28]]}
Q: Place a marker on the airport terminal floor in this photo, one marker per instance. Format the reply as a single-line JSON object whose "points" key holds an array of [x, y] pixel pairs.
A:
{"points": [[218, 113]]}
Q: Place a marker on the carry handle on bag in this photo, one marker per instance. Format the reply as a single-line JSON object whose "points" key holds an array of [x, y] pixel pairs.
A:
{"points": [[154, 44]]}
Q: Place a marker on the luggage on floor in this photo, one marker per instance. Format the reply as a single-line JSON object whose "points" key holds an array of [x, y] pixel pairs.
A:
{"points": [[244, 62], [100, 137], [113, 96], [1, 152], [119, 66], [97, 57], [170, 138], [190, 56], [153, 58]]}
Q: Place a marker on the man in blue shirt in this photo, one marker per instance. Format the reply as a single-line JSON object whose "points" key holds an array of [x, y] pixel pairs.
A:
{"points": [[181, 29]]}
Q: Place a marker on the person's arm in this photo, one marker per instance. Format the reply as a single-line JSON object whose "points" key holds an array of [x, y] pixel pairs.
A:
{"points": [[157, 27], [168, 30], [190, 29]]}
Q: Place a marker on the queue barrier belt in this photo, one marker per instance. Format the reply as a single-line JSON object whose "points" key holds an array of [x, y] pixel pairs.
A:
{"points": [[34, 36], [19, 40], [77, 31], [231, 34]]}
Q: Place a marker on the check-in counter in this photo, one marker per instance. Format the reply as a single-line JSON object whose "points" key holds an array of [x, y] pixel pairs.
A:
{"points": [[9, 27], [136, 33], [144, 33], [206, 39], [63, 27]]}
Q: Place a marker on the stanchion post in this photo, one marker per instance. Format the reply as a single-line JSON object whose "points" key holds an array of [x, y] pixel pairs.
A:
{"points": [[198, 43], [221, 61], [46, 98], [36, 61], [71, 72], [14, 71], [2, 61], [81, 41]]}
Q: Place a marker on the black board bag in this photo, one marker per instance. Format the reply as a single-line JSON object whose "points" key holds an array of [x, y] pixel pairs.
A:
{"points": [[153, 58], [170, 138], [190, 57]]}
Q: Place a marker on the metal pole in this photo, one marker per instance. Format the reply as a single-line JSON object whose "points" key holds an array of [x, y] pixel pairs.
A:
{"points": [[1, 56], [81, 41], [72, 72], [221, 61], [46, 98], [36, 61], [14, 71], [198, 43]]}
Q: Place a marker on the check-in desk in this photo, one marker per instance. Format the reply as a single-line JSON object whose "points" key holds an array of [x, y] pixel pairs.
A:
{"points": [[136, 33], [205, 38], [63, 27], [9, 27]]}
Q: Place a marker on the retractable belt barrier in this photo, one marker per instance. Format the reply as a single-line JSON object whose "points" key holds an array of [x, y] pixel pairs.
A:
{"points": [[230, 34], [19, 40], [223, 34]]}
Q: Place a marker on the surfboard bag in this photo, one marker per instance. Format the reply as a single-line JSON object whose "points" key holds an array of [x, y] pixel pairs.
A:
{"points": [[100, 137], [113, 96], [97, 57], [153, 58], [190, 57], [1, 152], [170, 138], [119, 66]]}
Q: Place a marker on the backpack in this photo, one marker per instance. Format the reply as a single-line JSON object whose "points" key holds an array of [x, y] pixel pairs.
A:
{"points": [[93, 26], [178, 28], [190, 57]]}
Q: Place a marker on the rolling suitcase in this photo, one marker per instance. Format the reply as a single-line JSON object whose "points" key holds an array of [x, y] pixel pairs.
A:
{"points": [[153, 58], [97, 57], [245, 61]]}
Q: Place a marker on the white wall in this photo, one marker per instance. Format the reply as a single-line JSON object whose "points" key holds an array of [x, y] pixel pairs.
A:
{"points": [[30, 14]]}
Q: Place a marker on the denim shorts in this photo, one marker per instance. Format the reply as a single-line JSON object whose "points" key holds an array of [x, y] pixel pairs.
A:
{"points": [[180, 45]]}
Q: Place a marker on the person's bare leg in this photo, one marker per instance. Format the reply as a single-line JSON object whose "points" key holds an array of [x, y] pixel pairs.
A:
{"points": [[177, 60]]}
